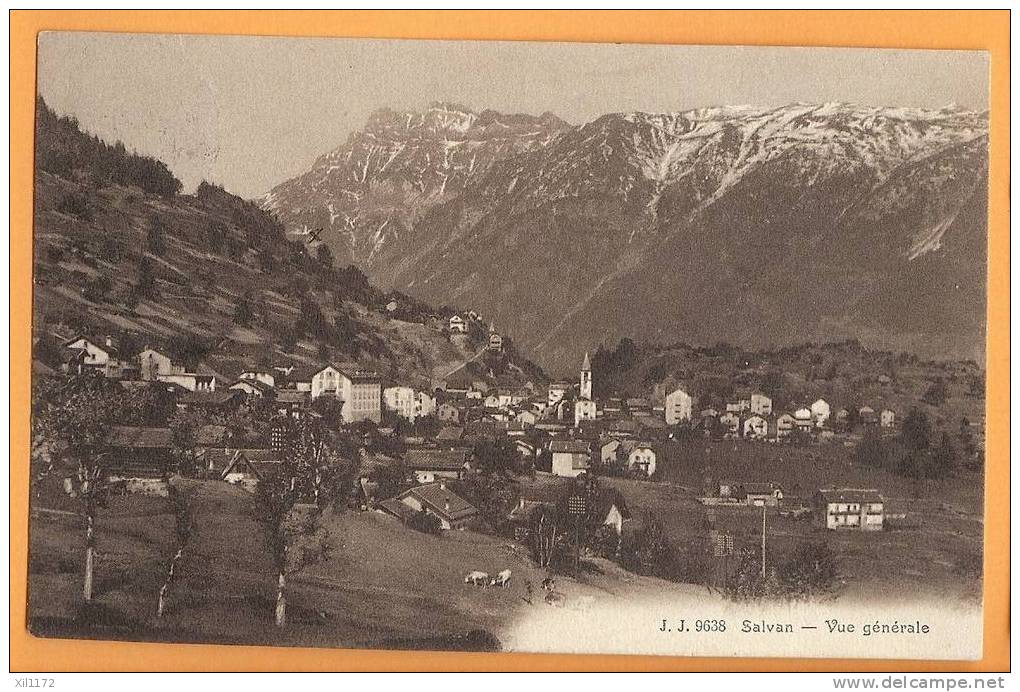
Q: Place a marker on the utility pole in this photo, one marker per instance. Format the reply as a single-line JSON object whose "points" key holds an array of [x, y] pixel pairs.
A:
{"points": [[577, 505], [763, 508]]}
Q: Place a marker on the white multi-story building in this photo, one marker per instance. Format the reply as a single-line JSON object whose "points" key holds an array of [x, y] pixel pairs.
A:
{"points": [[851, 508], [408, 403], [679, 407], [820, 412], [761, 405], [359, 390]]}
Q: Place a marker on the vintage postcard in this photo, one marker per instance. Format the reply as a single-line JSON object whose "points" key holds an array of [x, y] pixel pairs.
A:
{"points": [[527, 347]]}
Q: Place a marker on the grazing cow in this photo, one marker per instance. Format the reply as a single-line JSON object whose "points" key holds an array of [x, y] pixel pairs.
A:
{"points": [[502, 579], [549, 584], [477, 578], [555, 599]]}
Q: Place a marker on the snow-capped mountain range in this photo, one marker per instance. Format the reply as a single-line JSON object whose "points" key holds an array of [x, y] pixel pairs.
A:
{"points": [[753, 225]]}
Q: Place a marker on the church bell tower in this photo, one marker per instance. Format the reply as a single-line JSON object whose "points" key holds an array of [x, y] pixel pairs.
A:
{"points": [[586, 378]]}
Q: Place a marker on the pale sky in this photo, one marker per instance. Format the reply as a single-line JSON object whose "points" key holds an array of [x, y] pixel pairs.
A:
{"points": [[249, 112]]}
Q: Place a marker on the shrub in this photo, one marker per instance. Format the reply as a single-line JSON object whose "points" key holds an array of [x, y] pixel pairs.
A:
{"points": [[242, 312], [111, 249], [55, 253], [146, 283], [75, 205], [97, 289], [809, 571], [154, 236]]}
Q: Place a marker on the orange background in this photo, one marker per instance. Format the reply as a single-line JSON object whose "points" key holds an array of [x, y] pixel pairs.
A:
{"points": [[983, 30]]}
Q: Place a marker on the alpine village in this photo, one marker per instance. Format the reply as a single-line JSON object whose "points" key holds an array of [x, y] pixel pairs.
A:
{"points": [[236, 439]]}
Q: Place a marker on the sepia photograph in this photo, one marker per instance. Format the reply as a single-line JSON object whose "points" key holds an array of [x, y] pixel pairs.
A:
{"points": [[487, 346]]}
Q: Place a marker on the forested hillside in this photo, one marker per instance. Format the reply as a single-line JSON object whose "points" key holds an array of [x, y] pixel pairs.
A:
{"points": [[210, 277]]}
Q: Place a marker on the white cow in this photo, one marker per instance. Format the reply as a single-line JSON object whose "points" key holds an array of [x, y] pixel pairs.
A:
{"points": [[502, 579], [477, 578]]}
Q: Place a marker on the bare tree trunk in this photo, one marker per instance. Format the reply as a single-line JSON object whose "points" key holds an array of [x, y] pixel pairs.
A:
{"points": [[89, 558], [281, 601], [164, 590], [90, 554]]}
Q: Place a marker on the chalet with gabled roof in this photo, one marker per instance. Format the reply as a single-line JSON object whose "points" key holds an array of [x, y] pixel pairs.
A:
{"points": [[252, 388], [430, 465], [140, 458], [437, 500]]}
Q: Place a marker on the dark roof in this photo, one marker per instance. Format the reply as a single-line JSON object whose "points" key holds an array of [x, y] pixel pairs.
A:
{"points": [[302, 373], [292, 396], [218, 458], [157, 351], [139, 438], [526, 510], [373, 460], [217, 398], [397, 508], [240, 460], [257, 384], [450, 433], [628, 446], [436, 459], [209, 435], [356, 373], [592, 425], [205, 370], [624, 426], [351, 371], [442, 501], [850, 495], [486, 429], [652, 423], [98, 343], [569, 446], [758, 488], [606, 499]]}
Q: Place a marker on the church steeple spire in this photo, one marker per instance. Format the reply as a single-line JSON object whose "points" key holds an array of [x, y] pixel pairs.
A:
{"points": [[586, 378]]}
